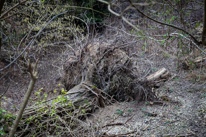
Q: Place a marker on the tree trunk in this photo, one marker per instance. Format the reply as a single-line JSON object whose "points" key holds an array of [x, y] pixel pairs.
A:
{"points": [[1, 7], [204, 26]]}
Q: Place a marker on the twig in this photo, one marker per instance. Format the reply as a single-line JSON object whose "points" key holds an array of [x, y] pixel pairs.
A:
{"points": [[189, 131], [175, 135], [16, 13], [145, 128], [120, 135], [118, 115], [4, 92], [84, 46], [118, 15], [149, 114], [26, 97], [31, 42], [12, 9], [191, 41], [196, 41], [112, 124], [129, 119]]}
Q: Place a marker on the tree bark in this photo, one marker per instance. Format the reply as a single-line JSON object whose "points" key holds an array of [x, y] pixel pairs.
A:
{"points": [[1, 7], [204, 26], [26, 98]]}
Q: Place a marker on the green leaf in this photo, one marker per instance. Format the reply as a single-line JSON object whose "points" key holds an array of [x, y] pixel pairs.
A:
{"points": [[130, 110], [203, 95], [46, 95], [59, 97], [168, 21], [3, 110], [165, 35], [132, 30], [162, 42], [173, 18], [143, 109], [120, 112], [197, 24], [143, 47], [83, 111]]}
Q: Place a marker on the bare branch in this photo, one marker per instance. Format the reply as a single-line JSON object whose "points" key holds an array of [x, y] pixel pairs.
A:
{"points": [[26, 98], [12, 8], [4, 92], [196, 41], [31, 42], [118, 15]]}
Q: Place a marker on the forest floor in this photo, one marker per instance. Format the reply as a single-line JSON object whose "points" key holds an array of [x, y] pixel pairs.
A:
{"points": [[183, 112], [184, 117]]}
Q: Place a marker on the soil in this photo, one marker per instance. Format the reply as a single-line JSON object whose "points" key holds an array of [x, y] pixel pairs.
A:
{"points": [[183, 117]]}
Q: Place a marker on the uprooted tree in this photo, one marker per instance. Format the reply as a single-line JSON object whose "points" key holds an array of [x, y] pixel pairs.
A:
{"points": [[98, 73]]}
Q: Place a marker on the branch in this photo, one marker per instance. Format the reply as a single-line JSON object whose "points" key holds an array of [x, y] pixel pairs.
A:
{"points": [[26, 97], [85, 8], [31, 40], [118, 15], [196, 41], [4, 92], [5, 13], [1, 5], [12, 8], [87, 31], [1, 18], [189, 40]]}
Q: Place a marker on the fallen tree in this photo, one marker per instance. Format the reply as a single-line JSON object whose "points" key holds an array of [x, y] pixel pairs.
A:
{"points": [[94, 77]]}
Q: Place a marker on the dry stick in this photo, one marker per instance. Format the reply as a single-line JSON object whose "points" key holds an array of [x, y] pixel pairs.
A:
{"points": [[120, 135], [113, 124], [129, 119], [4, 92], [113, 121], [118, 15], [26, 97], [119, 115], [119, 123]]}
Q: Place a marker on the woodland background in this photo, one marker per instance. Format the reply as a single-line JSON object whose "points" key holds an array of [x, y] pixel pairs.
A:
{"points": [[105, 68]]}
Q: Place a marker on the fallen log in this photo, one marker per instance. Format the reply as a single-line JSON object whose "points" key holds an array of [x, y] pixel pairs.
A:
{"points": [[65, 110], [156, 79], [162, 73], [194, 63]]}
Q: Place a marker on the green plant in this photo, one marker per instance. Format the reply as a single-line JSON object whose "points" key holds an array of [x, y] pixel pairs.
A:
{"points": [[130, 110], [166, 55], [120, 112], [6, 120], [203, 95]]}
